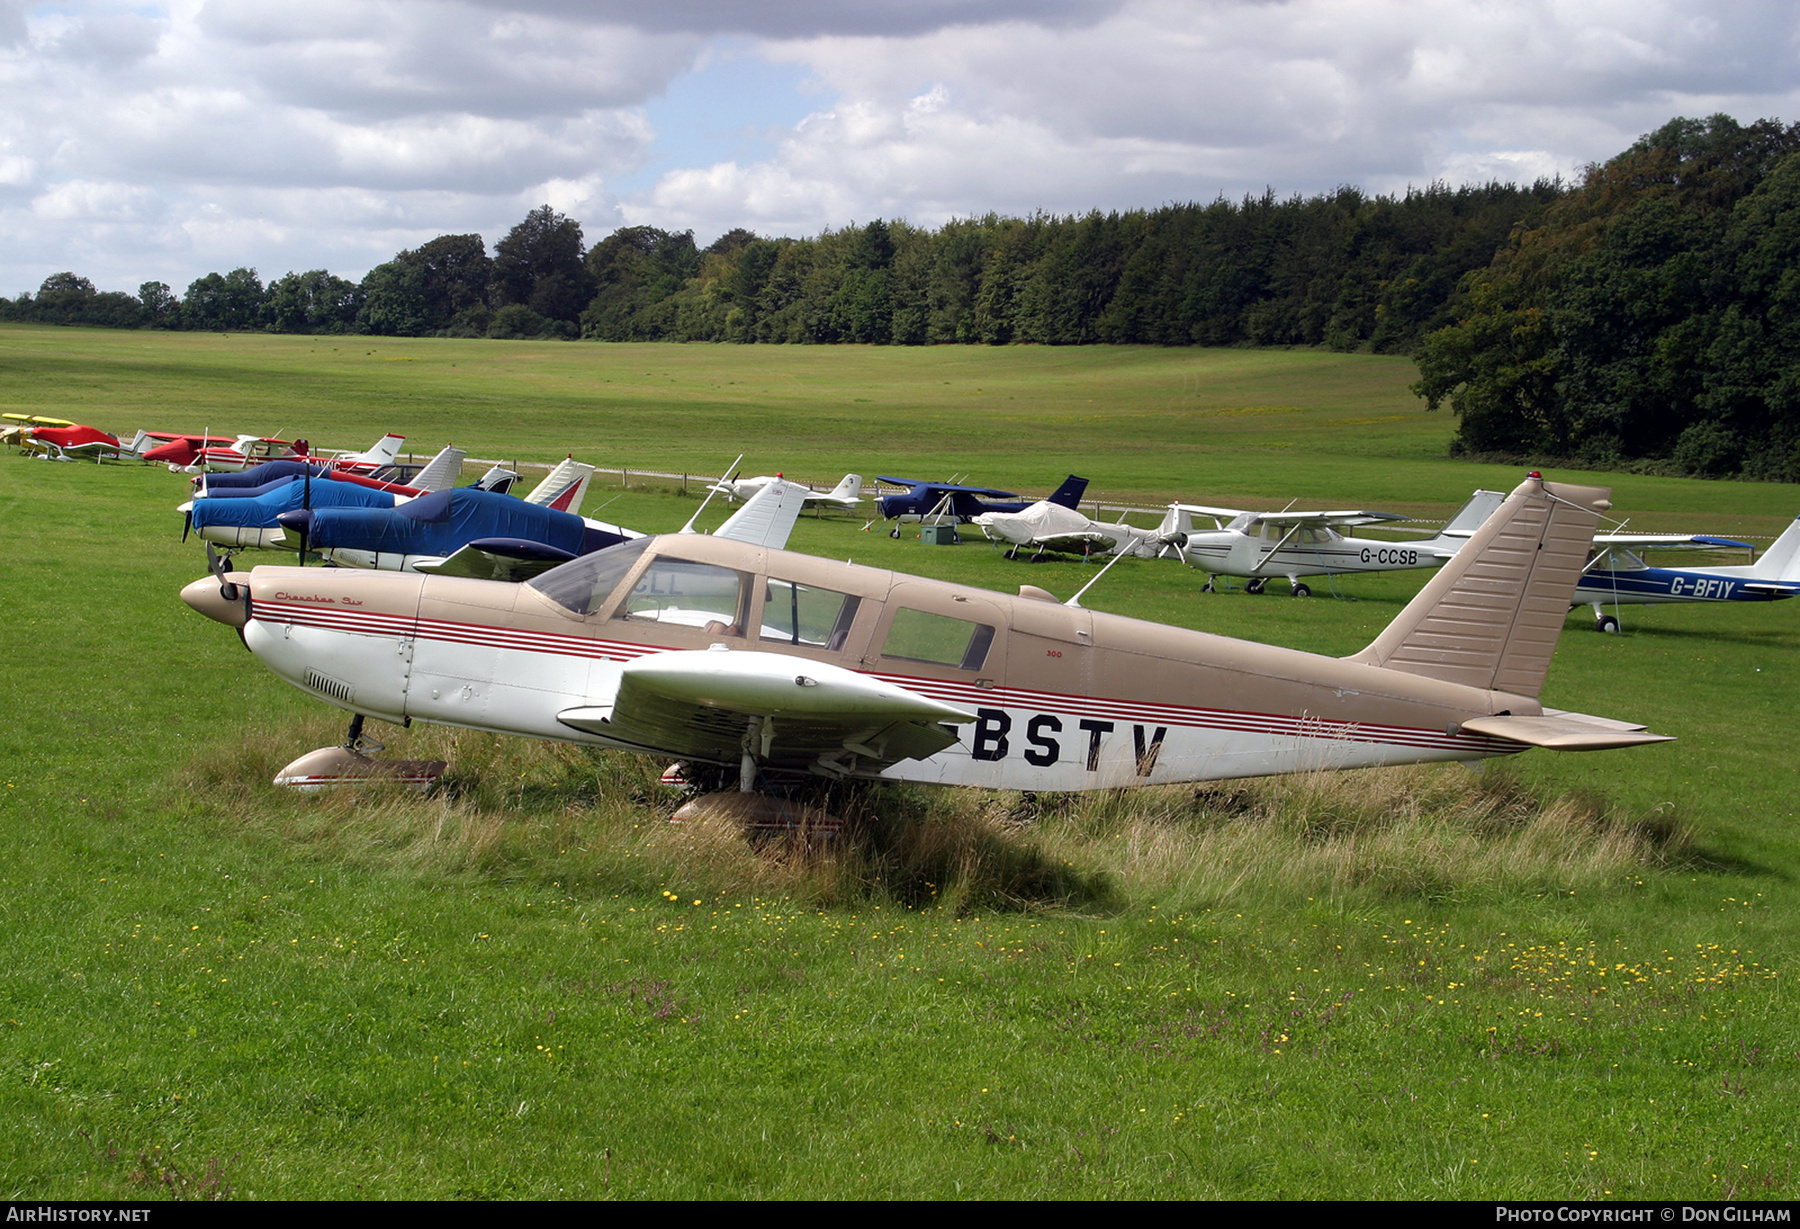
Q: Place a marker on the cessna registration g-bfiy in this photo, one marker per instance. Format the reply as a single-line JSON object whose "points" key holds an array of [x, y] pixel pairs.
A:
{"points": [[1262, 545], [1618, 576], [763, 665]]}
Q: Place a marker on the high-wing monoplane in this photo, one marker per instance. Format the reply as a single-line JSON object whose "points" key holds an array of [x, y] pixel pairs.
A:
{"points": [[846, 494], [1262, 545], [1616, 574], [755, 666], [964, 503]]}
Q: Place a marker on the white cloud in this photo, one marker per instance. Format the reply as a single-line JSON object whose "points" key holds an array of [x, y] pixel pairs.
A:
{"points": [[164, 142]]}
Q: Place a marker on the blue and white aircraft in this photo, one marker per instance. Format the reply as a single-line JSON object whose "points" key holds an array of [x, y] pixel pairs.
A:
{"points": [[1617, 576], [964, 503]]}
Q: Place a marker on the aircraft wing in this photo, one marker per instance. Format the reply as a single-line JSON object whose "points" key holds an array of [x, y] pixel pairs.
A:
{"points": [[1334, 519], [1636, 541], [509, 559], [792, 711], [1564, 731], [937, 490]]}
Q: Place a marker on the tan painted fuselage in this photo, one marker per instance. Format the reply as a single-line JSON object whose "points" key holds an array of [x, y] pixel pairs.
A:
{"points": [[1035, 695]]}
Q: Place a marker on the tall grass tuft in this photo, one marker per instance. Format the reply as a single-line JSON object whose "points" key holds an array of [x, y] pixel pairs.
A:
{"points": [[599, 822], [1438, 832]]}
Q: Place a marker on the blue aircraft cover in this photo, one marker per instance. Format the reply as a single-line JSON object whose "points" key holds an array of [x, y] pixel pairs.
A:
{"points": [[260, 475], [259, 510], [444, 522]]}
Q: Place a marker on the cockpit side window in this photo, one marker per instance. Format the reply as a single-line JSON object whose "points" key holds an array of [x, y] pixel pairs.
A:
{"points": [[581, 586], [918, 635], [794, 613], [688, 594]]}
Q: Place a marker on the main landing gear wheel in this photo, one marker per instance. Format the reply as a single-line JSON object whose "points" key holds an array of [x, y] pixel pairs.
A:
{"points": [[1207, 587], [1300, 590], [1607, 624], [1253, 586]]}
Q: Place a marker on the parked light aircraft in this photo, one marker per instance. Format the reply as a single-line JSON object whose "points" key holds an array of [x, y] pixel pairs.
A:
{"points": [[761, 665], [1049, 526], [1617, 575], [495, 537], [18, 427], [1262, 545], [251, 517], [71, 443], [964, 503], [846, 494]]}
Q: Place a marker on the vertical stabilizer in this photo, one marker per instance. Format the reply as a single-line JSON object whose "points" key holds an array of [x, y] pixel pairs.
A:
{"points": [[850, 489], [441, 472], [1070, 492], [1782, 560], [1472, 515], [564, 487], [1491, 616]]}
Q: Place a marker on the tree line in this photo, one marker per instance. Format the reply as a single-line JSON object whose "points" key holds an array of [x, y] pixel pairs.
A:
{"points": [[1645, 317], [1342, 269], [1650, 318]]}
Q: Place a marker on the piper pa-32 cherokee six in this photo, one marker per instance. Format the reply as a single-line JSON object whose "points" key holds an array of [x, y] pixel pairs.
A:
{"points": [[728, 656]]}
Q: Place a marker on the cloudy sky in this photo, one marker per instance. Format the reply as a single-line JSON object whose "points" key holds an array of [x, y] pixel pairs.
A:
{"points": [[162, 139]]}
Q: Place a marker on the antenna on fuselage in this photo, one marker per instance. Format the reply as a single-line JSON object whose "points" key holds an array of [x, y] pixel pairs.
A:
{"points": [[689, 527]]}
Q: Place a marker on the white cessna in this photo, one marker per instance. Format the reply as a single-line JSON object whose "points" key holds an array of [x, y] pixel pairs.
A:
{"points": [[1262, 545]]}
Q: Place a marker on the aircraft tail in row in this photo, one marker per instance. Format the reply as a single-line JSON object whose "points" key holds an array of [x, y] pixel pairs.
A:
{"points": [[1491, 616], [850, 488], [1782, 560], [564, 487]]}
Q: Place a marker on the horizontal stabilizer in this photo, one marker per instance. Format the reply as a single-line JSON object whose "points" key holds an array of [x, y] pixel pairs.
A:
{"points": [[1561, 731]]}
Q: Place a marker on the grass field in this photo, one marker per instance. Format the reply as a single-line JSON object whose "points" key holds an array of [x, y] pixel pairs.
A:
{"points": [[1563, 977]]}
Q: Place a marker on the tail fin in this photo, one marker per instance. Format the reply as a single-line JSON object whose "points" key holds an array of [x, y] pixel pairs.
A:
{"points": [[441, 471], [1472, 515], [1782, 560], [767, 517], [1070, 492], [385, 452], [850, 488], [564, 487], [1491, 616]]}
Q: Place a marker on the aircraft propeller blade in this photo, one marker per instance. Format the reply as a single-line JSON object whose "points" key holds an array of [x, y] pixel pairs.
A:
{"points": [[298, 523]]}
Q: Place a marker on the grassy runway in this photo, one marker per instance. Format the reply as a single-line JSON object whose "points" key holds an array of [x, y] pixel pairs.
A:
{"points": [[1416, 986]]}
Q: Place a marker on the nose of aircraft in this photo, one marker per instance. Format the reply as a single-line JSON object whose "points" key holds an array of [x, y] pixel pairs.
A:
{"points": [[223, 600]]}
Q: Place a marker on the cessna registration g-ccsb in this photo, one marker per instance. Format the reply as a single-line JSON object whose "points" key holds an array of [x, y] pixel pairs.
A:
{"points": [[760, 665]]}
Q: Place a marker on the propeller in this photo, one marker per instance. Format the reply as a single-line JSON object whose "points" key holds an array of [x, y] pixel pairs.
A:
{"points": [[298, 525]]}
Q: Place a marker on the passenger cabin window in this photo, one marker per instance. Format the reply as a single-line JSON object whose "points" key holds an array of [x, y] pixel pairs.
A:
{"points": [[686, 594], [794, 613], [917, 635], [581, 586]]}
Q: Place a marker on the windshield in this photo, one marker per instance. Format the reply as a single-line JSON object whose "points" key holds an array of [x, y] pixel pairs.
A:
{"points": [[582, 585]]}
